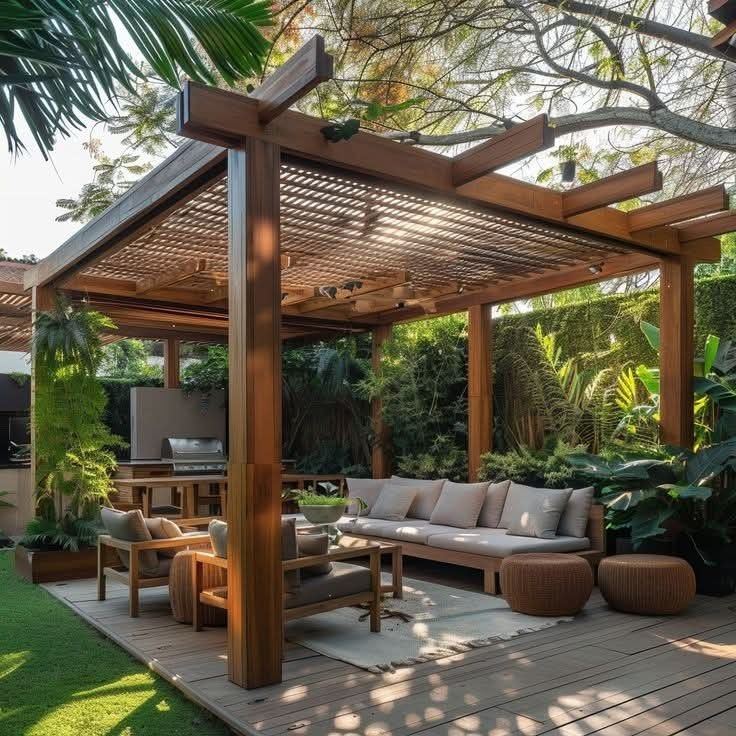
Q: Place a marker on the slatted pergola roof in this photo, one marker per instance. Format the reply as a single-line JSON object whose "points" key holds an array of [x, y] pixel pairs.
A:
{"points": [[15, 306]]}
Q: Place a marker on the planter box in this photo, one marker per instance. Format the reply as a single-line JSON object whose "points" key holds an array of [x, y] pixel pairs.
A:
{"points": [[41, 566]]}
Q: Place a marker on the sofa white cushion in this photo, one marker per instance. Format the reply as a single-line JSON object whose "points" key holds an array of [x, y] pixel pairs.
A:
{"points": [[497, 543], [459, 504], [408, 530], [393, 502], [490, 513], [366, 488], [533, 512], [428, 492], [574, 519]]}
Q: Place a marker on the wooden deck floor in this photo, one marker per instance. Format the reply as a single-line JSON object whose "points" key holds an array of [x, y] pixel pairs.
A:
{"points": [[606, 673]]}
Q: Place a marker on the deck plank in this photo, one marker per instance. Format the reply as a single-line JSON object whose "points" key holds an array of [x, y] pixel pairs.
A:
{"points": [[606, 673]]}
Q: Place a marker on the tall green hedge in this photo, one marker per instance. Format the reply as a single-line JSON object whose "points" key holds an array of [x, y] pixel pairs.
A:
{"points": [[605, 332]]}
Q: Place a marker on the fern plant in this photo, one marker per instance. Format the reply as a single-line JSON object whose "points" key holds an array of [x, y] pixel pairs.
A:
{"points": [[74, 448]]}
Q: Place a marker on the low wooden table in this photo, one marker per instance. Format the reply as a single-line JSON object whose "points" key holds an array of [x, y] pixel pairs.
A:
{"points": [[396, 588]]}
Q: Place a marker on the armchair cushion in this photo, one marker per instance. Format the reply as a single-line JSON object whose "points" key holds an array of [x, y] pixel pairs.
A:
{"points": [[218, 537], [289, 551], [130, 526], [344, 579], [310, 545], [162, 528]]}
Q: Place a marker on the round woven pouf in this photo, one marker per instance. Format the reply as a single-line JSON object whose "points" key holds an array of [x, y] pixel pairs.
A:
{"points": [[546, 584], [181, 590], [653, 585]]}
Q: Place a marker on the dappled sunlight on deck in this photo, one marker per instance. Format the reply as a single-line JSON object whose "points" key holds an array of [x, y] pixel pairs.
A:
{"points": [[606, 672]]}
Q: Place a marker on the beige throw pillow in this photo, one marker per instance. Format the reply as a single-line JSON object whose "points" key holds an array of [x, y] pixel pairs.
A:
{"points": [[459, 504], [131, 527], [162, 528], [490, 513], [311, 545], [574, 520], [427, 494], [534, 512], [393, 502], [366, 488], [218, 537]]}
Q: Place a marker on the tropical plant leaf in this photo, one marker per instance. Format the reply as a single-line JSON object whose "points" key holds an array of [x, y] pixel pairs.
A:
{"points": [[651, 332], [710, 461], [710, 352]]}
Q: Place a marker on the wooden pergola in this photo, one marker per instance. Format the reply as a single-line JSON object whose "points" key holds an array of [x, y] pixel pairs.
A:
{"points": [[259, 230]]}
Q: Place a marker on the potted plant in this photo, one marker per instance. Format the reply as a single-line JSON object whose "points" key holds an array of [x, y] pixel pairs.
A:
{"points": [[74, 448], [321, 509], [687, 500]]}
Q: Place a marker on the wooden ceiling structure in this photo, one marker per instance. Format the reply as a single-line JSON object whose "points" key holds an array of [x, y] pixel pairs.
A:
{"points": [[261, 229]]}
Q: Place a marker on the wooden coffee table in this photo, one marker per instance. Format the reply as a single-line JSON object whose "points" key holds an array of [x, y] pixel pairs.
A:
{"points": [[396, 587]]}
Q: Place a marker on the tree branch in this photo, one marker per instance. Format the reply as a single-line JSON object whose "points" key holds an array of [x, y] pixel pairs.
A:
{"points": [[653, 28]]}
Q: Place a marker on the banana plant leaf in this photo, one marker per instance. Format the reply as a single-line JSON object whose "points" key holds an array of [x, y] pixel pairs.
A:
{"points": [[651, 332], [650, 378]]}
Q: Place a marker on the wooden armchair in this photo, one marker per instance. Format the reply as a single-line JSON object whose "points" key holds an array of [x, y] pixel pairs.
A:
{"points": [[131, 574], [315, 595]]}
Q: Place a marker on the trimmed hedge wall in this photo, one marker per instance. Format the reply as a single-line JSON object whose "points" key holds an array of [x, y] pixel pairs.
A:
{"points": [[605, 332]]}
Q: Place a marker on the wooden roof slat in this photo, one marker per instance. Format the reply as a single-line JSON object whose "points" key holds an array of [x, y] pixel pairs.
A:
{"points": [[724, 222], [722, 10], [171, 276], [611, 189]]}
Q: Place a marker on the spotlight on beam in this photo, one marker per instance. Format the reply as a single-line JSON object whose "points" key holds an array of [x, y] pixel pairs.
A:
{"points": [[329, 291], [596, 268]]}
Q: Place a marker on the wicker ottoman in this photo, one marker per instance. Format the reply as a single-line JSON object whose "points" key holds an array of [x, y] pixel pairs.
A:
{"points": [[653, 585], [181, 593], [546, 584]]}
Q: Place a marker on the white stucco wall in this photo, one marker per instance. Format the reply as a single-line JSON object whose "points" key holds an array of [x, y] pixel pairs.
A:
{"points": [[11, 362]]}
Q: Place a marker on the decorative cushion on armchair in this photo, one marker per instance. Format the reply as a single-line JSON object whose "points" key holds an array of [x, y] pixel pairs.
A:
{"points": [[131, 527]]}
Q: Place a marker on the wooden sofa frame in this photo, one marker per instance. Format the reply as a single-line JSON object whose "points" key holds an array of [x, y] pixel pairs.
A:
{"points": [[372, 597], [490, 566]]}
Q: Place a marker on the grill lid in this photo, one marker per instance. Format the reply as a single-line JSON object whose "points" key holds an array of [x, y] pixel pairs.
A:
{"points": [[192, 449]]}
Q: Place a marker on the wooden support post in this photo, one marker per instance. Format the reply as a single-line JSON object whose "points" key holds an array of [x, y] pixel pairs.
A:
{"points": [[676, 354], [254, 498], [381, 455], [42, 299], [480, 386], [171, 363]]}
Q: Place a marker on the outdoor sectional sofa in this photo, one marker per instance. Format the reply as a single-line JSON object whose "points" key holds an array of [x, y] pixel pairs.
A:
{"points": [[471, 539]]}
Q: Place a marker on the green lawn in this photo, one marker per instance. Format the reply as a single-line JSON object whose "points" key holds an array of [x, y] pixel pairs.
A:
{"points": [[59, 677]]}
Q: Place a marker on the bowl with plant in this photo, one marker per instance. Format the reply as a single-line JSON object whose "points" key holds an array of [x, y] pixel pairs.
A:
{"points": [[321, 508]]}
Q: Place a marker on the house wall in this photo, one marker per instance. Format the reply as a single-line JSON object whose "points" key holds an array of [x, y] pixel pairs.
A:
{"points": [[17, 482]]}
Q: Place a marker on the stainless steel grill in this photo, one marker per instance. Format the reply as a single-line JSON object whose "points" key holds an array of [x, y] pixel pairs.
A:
{"points": [[194, 455]]}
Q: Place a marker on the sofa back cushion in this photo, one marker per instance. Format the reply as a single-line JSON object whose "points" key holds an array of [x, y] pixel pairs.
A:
{"points": [[459, 504], [310, 545], [490, 513], [534, 512], [574, 520], [427, 495], [289, 551], [393, 502], [131, 527], [366, 488], [218, 537]]}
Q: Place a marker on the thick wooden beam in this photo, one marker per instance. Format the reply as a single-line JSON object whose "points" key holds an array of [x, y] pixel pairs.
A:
{"points": [[480, 386], [705, 227], [304, 70], [518, 142], [381, 450], [702, 250], [723, 41], [171, 363], [11, 287], [255, 639], [676, 354], [11, 310], [172, 276], [611, 189], [686, 207], [722, 10], [182, 175]]}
